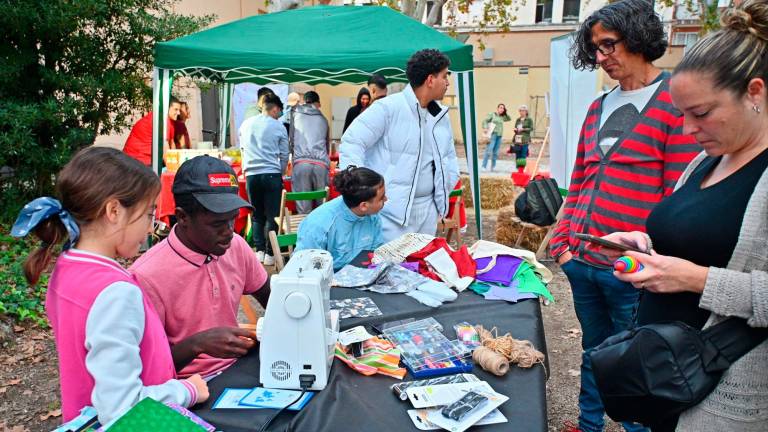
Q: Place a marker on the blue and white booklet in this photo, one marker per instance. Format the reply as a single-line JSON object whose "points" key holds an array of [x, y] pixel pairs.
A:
{"points": [[259, 398], [275, 398]]}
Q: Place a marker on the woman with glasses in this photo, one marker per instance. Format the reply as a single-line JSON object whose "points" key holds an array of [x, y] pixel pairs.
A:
{"points": [[715, 264], [631, 151]]}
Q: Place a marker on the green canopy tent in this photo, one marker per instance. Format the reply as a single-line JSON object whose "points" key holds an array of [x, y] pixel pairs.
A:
{"points": [[315, 45]]}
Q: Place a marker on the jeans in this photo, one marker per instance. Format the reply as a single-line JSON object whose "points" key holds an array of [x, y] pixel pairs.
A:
{"points": [[264, 191], [604, 307], [492, 149]]}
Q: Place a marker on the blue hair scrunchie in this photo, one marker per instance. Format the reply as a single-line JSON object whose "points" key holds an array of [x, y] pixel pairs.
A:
{"points": [[38, 211]]}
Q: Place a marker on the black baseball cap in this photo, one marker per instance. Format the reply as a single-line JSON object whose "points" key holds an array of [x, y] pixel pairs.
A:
{"points": [[212, 182]]}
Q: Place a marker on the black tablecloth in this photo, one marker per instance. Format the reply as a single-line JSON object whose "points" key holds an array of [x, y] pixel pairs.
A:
{"points": [[353, 402]]}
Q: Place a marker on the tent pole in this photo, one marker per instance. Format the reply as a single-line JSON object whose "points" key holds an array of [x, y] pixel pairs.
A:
{"points": [[161, 96], [466, 90], [157, 132], [225, 112]]}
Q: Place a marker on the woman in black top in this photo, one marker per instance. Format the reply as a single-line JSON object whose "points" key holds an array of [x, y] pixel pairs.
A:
{"points": [[363, 101]]}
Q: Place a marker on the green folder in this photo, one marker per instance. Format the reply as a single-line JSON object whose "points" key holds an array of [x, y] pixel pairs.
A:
{"points": [[150, 415]]}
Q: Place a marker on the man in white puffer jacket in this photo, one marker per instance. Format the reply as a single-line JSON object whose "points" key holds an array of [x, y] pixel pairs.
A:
{"points": [[407, 138]]}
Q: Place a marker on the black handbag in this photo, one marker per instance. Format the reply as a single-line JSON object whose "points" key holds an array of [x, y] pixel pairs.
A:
{"points": [[654, 372]]}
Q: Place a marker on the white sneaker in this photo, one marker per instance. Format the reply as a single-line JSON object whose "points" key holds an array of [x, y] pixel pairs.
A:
{"points": [[260, 256], [483, 169], [269, 260]]}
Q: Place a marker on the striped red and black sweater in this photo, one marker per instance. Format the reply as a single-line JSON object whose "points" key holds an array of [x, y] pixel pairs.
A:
{"points": [[618, 190]]}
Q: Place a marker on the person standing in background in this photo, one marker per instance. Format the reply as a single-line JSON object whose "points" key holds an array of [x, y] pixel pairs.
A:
{"points": [[495, 120], [138, 145], [309, 140], [522, 138], [363, 101], [264, 143], [293, 101], [377, 86], [255, 108], [180, 132]]}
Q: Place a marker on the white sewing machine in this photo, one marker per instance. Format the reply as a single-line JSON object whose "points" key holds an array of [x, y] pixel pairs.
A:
{"points": [[298, 332]]}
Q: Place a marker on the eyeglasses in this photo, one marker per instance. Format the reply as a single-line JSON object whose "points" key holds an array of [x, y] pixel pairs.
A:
{"points": [[607, 47]]}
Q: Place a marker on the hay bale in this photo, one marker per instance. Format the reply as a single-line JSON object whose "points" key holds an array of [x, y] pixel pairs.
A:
{"points": [[509, 226], [495, 192]]}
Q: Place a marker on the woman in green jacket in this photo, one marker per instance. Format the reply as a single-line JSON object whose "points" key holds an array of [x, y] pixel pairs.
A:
{"points": [[523, 128], [496, 119]]}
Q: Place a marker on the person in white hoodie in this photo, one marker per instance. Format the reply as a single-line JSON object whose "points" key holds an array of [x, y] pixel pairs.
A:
{"points": [[407, 137]]}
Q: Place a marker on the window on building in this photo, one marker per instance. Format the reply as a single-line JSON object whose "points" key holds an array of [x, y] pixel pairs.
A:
{"points": [[571, 10], [544, 11], [686, 39]]}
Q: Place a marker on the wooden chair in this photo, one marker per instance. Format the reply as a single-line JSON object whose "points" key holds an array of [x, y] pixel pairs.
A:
{"points": [[447, 227], [287, 222], [278, 242]]}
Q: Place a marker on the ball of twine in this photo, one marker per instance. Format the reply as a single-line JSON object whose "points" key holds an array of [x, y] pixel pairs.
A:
{"points": [[491, 361], [519, 352]]}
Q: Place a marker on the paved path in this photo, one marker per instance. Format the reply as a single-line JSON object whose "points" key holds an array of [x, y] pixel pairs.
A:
{"points": [[504, 167]]}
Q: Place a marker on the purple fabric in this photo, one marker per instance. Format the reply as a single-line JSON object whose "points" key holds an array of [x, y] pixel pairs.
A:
{"points": [[510, 294], [503, 272]]}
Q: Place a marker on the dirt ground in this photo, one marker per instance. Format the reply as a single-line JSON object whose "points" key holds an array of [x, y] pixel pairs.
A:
{"points": [[29, 385]]}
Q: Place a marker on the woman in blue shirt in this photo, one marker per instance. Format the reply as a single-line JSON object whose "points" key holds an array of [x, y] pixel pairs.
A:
{"points": [[349, 224]]}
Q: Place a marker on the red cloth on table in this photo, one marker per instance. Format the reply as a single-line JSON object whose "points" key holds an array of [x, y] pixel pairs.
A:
{"points": [[464, 263], [139, 142], [166, 204], [462, 209]]}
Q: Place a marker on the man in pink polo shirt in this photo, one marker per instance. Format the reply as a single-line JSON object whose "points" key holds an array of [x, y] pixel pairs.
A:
{"points": [[196, 276]]}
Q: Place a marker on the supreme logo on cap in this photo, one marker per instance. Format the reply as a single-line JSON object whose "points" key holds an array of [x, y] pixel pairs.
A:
{"points": [[222, 180]]}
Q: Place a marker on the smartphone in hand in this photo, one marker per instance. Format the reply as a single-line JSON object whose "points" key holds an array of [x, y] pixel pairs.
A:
{"points": [[608, 244]]}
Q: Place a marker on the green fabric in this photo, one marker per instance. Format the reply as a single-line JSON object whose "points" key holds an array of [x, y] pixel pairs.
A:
{"points": [[480, 287], [498, 121], [328, 44], [528, 282], [527, 125], [150, 415]]}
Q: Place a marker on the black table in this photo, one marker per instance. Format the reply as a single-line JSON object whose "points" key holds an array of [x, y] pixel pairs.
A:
{"points": [[353, 402]]}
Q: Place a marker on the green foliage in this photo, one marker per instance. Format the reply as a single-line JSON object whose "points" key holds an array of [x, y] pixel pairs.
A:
{"points": [[70, 71], [17, 298]]}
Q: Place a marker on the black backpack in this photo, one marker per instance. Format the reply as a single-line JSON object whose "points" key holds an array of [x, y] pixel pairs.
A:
{"points": [[540, 202]]}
